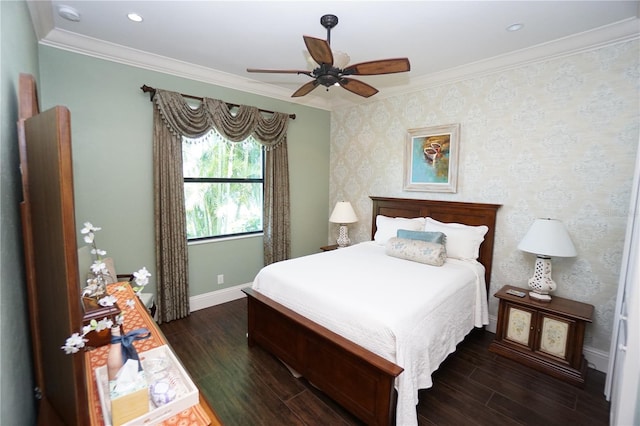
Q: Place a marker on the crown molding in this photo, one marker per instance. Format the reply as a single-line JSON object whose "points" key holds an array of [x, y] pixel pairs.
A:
{"points": [[622, 31], [41, 17], [618, 32], [89, 46]]}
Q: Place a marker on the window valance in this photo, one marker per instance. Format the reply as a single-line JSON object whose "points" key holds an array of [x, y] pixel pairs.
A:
{"points": [[184, 120]]}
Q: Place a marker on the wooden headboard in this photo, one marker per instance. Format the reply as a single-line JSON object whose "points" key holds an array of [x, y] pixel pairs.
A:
{"points": [[444, 211]]}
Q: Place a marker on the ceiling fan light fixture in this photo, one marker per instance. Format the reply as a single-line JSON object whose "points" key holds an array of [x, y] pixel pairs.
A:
{"points": [[340, 59]]}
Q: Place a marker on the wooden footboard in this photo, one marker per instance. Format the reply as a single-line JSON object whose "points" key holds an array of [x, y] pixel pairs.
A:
{"points": [[359, 380]]}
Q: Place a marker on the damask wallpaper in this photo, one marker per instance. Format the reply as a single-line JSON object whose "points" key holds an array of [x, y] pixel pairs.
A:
{"points": [[555, 138]]}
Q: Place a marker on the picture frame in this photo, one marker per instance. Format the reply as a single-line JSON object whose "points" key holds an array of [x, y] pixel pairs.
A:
{"points": [[431, 159]]}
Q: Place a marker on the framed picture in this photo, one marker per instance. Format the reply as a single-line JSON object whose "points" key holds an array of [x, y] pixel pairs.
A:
{"points": [[431, 159]]}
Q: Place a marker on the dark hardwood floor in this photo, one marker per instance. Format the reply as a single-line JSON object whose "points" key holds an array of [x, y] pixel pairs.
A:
{"points": [[247, 386]]}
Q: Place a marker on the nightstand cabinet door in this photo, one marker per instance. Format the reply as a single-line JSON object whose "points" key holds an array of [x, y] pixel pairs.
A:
{"points": [[520, 325], [554, 335]]}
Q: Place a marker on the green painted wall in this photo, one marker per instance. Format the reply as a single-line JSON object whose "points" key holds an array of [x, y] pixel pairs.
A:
{"points": [[111, 120], [19, 53]]}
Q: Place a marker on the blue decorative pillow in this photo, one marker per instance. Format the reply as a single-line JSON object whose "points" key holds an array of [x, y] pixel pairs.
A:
{"points": [[431, 237], [417, 251]]}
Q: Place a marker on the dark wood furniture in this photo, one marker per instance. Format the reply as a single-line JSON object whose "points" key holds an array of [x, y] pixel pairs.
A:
{"points": [[547, 336], [51, 260], [356, 378], [329, 247]]}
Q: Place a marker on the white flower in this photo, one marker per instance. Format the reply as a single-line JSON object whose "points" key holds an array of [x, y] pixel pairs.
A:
{"points": [[142, 277], [107, 301], [95, 288], [99, 267], [74, 343], [91, 287], [88, 227], [98, 251], [103, 324], [131, 303], [77, 340]]}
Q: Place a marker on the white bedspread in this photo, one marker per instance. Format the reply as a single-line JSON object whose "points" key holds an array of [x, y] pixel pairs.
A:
{"points": [[409, 313]]}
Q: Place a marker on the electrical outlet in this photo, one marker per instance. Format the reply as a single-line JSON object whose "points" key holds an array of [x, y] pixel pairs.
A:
{"points": [[220, 279]]}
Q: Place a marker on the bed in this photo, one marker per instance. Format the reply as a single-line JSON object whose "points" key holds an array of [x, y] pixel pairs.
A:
{"points": [[357, 353]]}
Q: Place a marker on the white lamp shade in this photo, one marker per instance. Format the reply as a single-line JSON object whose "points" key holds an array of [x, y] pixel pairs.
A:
{"points": [[548, 237], [343, 213]]}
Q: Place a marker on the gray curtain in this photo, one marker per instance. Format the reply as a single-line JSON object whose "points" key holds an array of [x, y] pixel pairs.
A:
{"points": [[174, 118]]}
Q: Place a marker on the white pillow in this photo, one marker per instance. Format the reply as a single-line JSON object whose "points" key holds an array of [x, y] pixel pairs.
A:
{"points": [[427, 252], [463, 241], [387, 227]]}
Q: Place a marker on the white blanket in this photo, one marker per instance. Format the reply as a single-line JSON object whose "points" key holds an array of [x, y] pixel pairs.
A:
{"points": [[410, 313]]}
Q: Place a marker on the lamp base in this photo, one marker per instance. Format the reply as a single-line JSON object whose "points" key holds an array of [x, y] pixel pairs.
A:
{"points": [[539, 297], [541, 283], [343, 238]]}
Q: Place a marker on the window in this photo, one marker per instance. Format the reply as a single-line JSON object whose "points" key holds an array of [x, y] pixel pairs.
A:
{"points": [[223, 186]]}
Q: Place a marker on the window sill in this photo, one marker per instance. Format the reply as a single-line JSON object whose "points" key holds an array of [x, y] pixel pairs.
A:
{"points": [[221, 240]]}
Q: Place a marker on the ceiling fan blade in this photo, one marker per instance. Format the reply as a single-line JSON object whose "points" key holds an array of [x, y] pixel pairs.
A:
{"points": [[319, 50], [305, 72], [383, 66], [358, 87], [306, 88]]}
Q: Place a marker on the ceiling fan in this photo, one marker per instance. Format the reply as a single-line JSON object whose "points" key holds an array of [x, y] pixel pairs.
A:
{"points": [[328, 74]]}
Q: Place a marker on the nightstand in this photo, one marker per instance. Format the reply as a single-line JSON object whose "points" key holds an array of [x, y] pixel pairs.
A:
{"points": [[329, 248], [547, 336]]}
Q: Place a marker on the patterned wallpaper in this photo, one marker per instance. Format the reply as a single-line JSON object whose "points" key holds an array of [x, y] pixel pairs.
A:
{"points": [[555, 138]]}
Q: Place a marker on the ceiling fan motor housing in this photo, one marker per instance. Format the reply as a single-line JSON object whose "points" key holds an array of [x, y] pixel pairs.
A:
{"points": [[327, 75]]}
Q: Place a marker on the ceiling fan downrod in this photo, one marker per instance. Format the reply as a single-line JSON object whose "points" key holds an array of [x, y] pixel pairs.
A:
{"points": [[329, 21]]}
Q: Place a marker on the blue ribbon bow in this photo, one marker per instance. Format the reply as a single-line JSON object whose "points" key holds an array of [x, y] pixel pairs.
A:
{"points": [[128, 350]]}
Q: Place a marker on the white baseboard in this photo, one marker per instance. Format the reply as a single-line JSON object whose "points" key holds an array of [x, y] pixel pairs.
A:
{"points": [[217, 297], [493, 324], [596, 358]]}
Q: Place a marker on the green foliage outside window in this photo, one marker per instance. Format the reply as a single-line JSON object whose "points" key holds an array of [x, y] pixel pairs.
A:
{"points": [[223, 186]]}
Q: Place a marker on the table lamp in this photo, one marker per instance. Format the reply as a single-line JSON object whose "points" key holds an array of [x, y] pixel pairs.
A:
{"points": [[343, 214], [546, 238]]}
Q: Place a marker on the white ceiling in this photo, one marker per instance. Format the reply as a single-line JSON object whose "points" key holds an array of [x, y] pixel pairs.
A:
{"points": [[215, 41]]}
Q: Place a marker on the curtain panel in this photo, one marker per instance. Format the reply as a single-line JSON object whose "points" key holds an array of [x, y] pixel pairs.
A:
{"points": [[173, 119]]}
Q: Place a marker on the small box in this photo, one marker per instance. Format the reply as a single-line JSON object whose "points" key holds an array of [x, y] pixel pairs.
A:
{"points": [[93, 311], [131, 405], [158, 362]]}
